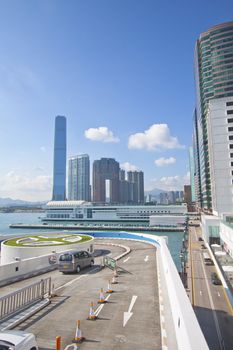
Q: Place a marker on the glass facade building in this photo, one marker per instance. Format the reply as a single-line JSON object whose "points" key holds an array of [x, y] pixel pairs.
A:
{"points": [[192, 178], [214, 80], [79, 178], [59, 163]]}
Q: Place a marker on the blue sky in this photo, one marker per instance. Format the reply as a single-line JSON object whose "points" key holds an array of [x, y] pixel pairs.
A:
{"points": [[120, 71]]}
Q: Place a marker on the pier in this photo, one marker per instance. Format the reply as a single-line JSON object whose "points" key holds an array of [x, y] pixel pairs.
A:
{"points": [[101, 227]]}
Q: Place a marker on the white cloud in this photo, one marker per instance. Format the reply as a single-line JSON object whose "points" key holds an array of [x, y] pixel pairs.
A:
{"points": [[165, 161], [169, 183], [128, 167], [102, 134], [155, 138], [31, 188]]}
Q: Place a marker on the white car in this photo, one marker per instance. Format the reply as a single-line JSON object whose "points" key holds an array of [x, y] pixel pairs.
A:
{"points": [[17, 340]]}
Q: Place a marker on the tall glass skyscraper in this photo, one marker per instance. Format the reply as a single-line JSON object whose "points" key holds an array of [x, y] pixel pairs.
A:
{"points": [[79, 178], [214, 80], [59, 163]]}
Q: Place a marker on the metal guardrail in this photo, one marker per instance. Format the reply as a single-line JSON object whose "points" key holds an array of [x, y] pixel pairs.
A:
{"points": [[22, 298]]}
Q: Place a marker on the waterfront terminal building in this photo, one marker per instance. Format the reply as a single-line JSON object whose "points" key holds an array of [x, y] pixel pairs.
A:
{"points": [[84, 211]]}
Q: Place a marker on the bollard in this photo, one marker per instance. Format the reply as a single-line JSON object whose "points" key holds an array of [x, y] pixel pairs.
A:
{"points": [[58, 342]]}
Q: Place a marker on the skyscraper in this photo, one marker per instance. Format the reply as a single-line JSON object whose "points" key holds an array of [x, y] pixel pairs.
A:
{"points": [[59, 163], [136, 181], [214, 81], [192, 175], [106, 181], [79, 178]]}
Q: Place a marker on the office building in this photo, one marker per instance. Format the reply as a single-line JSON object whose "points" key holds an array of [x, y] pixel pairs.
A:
{"points": [[192, 174], [59, 163], [106, 188], [213, 134], [79, 178], [214, 81], [220, 143]]}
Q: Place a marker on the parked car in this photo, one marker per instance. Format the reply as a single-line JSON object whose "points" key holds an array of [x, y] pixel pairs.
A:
{"points": [[74, 261], [17, 340], [215, 279]]}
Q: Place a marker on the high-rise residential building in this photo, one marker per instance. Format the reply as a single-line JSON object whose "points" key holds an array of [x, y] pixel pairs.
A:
{"points": [[136, 181], [122, 175], [106, 188], [79, 178], [214, 81], [187, 194], [59, 163]]}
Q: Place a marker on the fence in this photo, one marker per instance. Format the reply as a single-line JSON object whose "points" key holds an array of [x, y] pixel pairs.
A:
{"points": [[22, 298]]}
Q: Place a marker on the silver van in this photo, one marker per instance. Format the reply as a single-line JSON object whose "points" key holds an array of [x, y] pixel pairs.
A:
{"points": [[74, 261]]}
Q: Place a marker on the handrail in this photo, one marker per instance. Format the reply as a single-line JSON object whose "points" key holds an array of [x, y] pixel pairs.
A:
{"points": [[22, 298]]}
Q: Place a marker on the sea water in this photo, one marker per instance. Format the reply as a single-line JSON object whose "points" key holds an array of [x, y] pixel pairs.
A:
{"points": [[174, 238]]}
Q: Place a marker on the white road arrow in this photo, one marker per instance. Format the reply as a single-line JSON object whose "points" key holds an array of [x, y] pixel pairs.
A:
{"points": [[128, 314], [146, 258], [126, 259]]}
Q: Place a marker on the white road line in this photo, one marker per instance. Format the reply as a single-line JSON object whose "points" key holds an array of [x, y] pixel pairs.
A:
{"points": [[146, 258], [126, 259], [99, 308], [219, 294], [74, 280], [127, 315], [212, 306], [200, 292], [71, 346]]}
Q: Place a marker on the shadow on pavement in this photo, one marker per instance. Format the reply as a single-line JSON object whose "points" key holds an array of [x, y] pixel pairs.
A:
{"points": [[205, 318]]}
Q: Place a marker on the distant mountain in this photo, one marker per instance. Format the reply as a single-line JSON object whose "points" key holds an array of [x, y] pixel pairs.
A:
{"points": [[154, 192], [9, 202]]}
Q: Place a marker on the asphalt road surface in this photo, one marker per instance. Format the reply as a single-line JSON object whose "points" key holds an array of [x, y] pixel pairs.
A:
{"points": [[211, 305], [129, 320]]}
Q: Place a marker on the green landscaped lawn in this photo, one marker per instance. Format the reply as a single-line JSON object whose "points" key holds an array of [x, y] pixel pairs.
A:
{"points": [[12, 242]]}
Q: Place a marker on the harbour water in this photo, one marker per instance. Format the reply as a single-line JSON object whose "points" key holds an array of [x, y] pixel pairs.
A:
{"points": [[174, 238]]}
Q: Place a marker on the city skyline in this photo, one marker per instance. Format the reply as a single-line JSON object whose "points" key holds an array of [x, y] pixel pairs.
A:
{"points": [[126, 89]]}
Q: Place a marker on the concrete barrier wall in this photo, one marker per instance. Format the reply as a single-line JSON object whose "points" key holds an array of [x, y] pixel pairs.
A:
{"points": [[27, 267], [188, 331], [9, 253]]}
